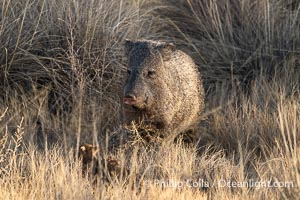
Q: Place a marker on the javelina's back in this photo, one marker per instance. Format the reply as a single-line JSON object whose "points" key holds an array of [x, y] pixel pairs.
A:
{"points": [[163, 87]]}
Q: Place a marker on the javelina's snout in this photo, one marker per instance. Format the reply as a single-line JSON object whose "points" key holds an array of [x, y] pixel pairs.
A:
{"points": [[130, 99]]}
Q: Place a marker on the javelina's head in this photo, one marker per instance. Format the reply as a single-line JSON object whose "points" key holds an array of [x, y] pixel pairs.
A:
{"points": [[88, 154], [145, 72]]}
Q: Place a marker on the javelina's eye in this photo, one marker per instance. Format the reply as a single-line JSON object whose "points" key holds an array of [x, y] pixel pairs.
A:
{"points": [[128, 72], [151, 73]]}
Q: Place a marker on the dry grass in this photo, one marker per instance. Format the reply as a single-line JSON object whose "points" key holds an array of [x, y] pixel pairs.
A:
{"points": [[61, 69]]}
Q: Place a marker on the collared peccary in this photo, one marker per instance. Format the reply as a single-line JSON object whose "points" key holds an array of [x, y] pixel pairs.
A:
{"points": [[105, 166], [163, 87]]}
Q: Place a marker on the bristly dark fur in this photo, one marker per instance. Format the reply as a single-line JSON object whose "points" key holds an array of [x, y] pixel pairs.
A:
{"points": [[167, 86]]}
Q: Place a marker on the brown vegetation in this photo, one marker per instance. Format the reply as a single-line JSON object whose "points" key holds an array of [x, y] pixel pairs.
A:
{"points": [[61, 74]]}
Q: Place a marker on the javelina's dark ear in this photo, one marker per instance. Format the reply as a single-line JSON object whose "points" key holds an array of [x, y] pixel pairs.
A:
{"points": [[166, 50], [128, 46]]}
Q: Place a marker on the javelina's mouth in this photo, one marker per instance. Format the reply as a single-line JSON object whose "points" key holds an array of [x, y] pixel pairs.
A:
{"points": [[129, 101], [139, 107], [135, 107], [135, 104]]}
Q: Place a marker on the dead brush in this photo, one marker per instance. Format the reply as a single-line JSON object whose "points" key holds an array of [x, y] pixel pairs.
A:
{"points": [[234, 40], [11, 150]]}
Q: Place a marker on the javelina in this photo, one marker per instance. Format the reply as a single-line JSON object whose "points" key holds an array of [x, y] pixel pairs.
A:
{"points": [[163, 87], [90, 164]]}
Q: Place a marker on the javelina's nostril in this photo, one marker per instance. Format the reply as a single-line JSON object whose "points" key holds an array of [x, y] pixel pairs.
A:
{"points": [[129, 99]]}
